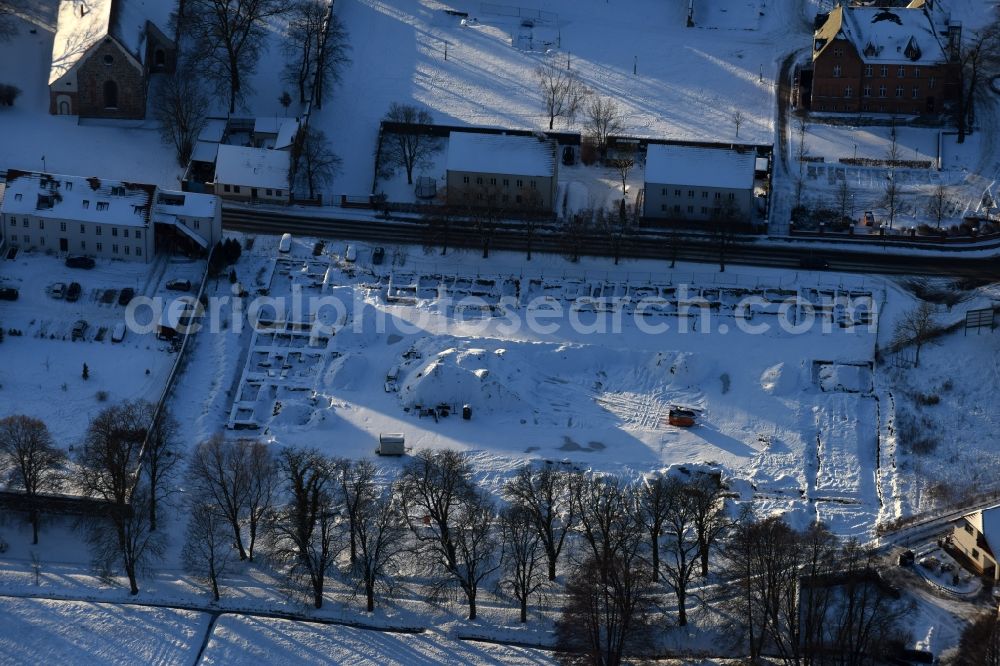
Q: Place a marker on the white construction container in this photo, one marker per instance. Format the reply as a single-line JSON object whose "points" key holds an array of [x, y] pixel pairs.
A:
{"points": [[391, 444]]}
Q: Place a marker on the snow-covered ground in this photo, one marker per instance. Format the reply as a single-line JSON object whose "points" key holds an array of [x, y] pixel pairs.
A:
{"points": [[39, 631], [399, 56]]}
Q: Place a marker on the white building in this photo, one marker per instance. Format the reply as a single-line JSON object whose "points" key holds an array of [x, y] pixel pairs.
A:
{"points": [[698, 183], [102, 218], [252, 174], [504, 171]]}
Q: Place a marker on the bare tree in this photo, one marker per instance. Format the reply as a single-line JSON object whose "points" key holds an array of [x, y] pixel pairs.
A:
{"points": [[607, 517], [624, 166], [916, 327], [603, 117], [708, 508], [938, 206], [306, 526], [238, 477], [546, 494], [522, 556], [892, 152], [411, 147], [230, 38], [892, 197], [738, 118], [562, 92], [605, 618], [843, 198], [450, 518], [314, 164], [380, 541], [332, 59], [8, 15], [160, 458], [122, 537], [181, 109], [723, 229], [357, 490], [207, 546], [655, 497], [32, 461], [979, 61], [681, 547]]}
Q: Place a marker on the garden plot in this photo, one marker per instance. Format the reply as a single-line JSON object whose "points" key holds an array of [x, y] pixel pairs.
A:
{"points": [[43, 365], [404, 356]]}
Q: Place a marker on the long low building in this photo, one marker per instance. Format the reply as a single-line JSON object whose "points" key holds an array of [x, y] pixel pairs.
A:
{"points": [[501, 171], [245, 173], [104, 218], [693, 183]]}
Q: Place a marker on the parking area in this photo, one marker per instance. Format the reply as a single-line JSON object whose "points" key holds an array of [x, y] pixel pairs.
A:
{"points": [[65, 317]]}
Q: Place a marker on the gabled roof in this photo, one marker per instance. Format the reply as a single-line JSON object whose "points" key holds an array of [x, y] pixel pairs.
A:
{"points": [[699, 167], [252, 167], [896, 35], [73, 198], [83, 23], [987, 522], [501, 154]]}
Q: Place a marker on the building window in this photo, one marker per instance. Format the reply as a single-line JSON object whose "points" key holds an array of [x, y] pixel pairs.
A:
{"points": [[690, 194], [83, 229], [848, 91], [269, 192], [117, 191], [704, 210], [102, 205], [69, 186], [916, 92], [931, 84], [137, 236], [677, 208], [62, 226], [225, 188], [109, 60], [493, 181], [837, 51], [901, 72], [677, 193], [17, 197], [27, 239], [83, 245], [868, 91], [506, 182], [718, 195], [128, 250], [13, 221], [884, 71], [881, 91], [110, 94], [114, 231], [277, 193], [916, 72], [99, 247], [41, 224], [732, 196], [868, 70], [836, 71], [690, 209], [125, 231], [479, 180], [114, 249], [138, 251], [41, 240], [98, 230], [899, 91], [25, 223], [520, 183], [704, 195], [663, 191], [197, 225], [663, 207], [975, 554], [533, 184], [968, 528]]}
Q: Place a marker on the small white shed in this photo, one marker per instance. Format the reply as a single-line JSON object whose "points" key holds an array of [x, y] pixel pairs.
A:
{"points": [[391, 444]]}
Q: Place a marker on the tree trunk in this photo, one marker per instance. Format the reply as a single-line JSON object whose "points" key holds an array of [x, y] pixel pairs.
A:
{"points": [[370, 595], [354, 545], [152, 509], [682, 616], [656, 560], [215, 580], [34, 526], [552, 120], [704, 560], [524, 610], [318, 594], [239, 539], [472, 605], [133, 585], [552, 565]]}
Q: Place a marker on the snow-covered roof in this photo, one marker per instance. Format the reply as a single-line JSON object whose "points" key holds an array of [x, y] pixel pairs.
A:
{"points": [[890, 35], [284, 130], [214, 130], [73, 198], [987, 521], [83, 23], [192, 204], [204, 151], [699, 167], [252, 167], [501, 154]]}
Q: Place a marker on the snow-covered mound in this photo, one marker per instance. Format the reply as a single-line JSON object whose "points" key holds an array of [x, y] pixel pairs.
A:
{"points": [[779, 379], [483, 379]]}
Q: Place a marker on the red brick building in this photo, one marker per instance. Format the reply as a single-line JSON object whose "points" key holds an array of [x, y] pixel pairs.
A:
{"points": [[103, 54], [885, 60]]}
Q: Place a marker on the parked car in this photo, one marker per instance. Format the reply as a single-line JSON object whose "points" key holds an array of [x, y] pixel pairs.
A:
{"points": [[179, 285], [118, 334], [869, 218], [125, 296], [378, 255], [813, 262], [58, 290], [73, 292], [8, 294], [80, 262], [79, 329]]}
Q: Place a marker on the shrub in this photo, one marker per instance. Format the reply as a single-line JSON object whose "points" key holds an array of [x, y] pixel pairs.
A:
{"points": [[102, 396], [8, 94]]}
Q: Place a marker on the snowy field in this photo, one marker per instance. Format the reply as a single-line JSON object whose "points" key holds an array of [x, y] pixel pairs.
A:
{"points": [[122, 150], [488, 77], [38, 631], [241, 639], [43, 367]]}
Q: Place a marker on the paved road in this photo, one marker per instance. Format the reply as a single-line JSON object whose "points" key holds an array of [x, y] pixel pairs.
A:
{"points": [[697, 249]]}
